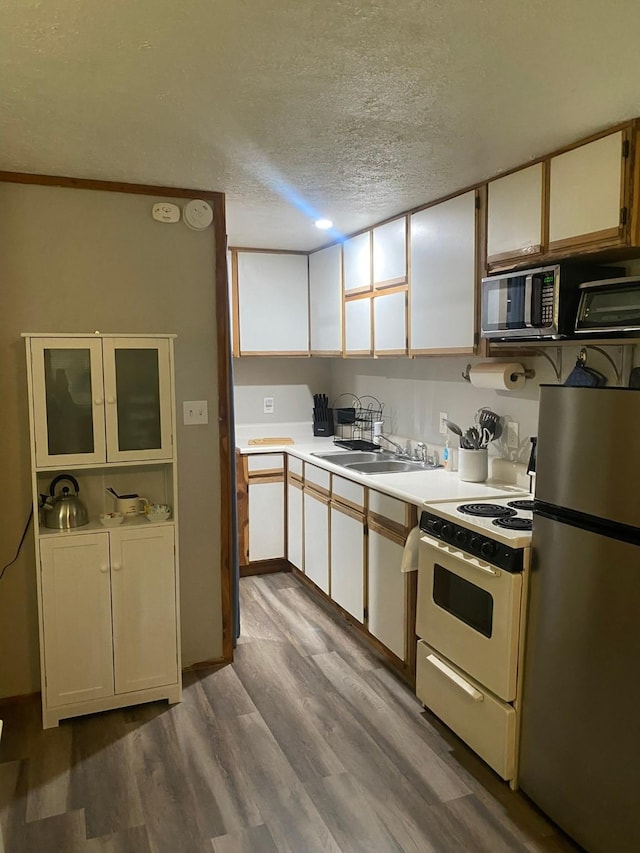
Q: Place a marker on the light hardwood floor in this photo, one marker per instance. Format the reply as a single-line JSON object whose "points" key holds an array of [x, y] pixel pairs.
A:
{"points": [[307, 743]]}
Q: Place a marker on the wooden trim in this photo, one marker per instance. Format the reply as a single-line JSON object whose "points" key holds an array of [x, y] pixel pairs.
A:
{"points": [[235, 307], [295, 480], [546, 202], [271, 251], [634, 201], [390, 353], [348, 509], [358, 354], [358, 293], [389, 529], [445, 351], [325, 353], [482, 228], [516, 255], [400, 288], [112, 186], [259, 479], [390, 282], [351, 505], [626, 184], [408, 263], [21, 697], [270, 473], [214, 663], [317, 493], [242, 503], [604, 236], [265, 567], [274, 354], [411, 599]]}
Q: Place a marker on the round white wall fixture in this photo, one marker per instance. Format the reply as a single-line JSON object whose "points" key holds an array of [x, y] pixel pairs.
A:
{"points": [[197, 214]]}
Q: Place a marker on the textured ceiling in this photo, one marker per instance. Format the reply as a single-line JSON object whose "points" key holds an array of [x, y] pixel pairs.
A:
{"points": [[356, 110]]}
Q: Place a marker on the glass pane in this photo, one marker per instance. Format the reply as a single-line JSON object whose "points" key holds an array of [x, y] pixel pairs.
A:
{"points": [[464, 600], [138, 390], [67, 380]]}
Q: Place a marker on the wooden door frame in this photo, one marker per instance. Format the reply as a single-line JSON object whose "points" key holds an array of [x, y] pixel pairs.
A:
{"points": [[226, 451]]}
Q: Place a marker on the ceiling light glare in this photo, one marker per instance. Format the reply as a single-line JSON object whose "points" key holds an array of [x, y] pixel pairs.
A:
{"points": [[323, 224]]}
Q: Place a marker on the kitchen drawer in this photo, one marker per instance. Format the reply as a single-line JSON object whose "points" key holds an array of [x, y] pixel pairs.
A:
{"points": [[320, 478], [265, 462], [483, 722], [347, 492], [386, 508], [295, 465]]}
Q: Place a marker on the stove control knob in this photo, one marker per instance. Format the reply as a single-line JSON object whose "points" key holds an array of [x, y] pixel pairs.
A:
{"points": [[488, 549], [461, 538], [474, 543], [446, 531], [435, 527]]}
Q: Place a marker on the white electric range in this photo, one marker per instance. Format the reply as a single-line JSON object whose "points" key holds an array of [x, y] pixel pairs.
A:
{"points": [[474, 559]]}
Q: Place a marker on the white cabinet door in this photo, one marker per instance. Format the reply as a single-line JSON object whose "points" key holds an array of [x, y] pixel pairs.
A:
{"points": [[266, 520], [357, 327], [68, 401], [138, 402], [273, 303], [390, 323], [294, 525], [325, 301], [357, 263], [443, 276], [316, 540], [143, 582], [390, 253], [76, 618], [514, 223], [387, 610], [585, 191], [347, 562]]}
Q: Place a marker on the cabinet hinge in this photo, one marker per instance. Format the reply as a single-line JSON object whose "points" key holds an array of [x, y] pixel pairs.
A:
{"points": [[625, 149], [624, 213], [477, 202], [366, 613]]}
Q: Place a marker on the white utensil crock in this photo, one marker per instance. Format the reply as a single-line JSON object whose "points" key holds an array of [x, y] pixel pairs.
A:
{"points": [[473, 465]]}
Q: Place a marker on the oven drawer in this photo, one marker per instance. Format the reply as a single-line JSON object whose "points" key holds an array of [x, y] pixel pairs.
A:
{"points": [[483, 722]]}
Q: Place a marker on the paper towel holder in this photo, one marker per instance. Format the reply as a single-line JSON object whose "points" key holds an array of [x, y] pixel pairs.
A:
{"points": [[527, 372]]}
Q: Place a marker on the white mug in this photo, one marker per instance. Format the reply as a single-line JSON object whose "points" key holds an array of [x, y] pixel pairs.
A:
{"points": [[131, 506]]}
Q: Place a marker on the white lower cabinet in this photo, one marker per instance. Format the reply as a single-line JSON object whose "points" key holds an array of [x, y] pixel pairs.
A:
{"points": [[266, 520], [347, 560], [387, 597], [295, 524], [109, 619], [316, 539]]}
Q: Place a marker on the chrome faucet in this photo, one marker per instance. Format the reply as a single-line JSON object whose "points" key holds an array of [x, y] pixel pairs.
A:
{"points": [[400, 451]]}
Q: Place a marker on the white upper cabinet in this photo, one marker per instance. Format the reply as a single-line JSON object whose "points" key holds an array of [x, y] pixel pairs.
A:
{"points": [[390, 323], [514, 221], [99, 400], [357, 263], [325, 301], [273, 303], [586, 192], [357, 327], [390, 253], [443, 276]]}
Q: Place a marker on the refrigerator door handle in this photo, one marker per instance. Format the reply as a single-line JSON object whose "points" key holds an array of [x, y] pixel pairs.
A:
{"points": [[460, 682]]}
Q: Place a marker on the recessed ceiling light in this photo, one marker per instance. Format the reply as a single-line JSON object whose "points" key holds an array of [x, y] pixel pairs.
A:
{"points": [[323, 224]]}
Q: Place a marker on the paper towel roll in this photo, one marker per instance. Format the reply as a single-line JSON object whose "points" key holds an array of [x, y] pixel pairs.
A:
{"points": [[500, 376]]}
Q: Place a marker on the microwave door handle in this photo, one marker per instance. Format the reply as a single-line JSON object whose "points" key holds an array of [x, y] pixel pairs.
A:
{"points": [[528, 295]]}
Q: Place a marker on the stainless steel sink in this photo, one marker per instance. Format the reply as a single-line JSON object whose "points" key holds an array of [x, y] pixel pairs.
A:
{"points": [[390, 466], [357, 456]]}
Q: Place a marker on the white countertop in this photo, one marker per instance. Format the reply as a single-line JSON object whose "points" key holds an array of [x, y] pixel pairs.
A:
{"points": [[416, 487]]}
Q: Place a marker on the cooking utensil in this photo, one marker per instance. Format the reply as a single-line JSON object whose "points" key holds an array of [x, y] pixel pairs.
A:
{"points": [[453, 427], [64, 511]]}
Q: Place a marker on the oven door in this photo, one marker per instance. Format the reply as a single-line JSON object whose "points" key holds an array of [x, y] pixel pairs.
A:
{"points": [[469, 611]]}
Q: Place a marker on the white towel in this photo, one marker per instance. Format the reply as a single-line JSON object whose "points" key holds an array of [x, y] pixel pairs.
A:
{"points": [[410, 553]]}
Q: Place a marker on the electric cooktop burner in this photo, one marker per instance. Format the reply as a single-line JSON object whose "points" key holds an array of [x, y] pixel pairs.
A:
{"points": [[513, 523], [487, 510], [523, 504]]}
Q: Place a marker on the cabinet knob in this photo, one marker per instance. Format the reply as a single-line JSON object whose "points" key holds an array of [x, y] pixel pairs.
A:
{"points": [[111, 400], [117, 567], [104, 569], [98, 401]]}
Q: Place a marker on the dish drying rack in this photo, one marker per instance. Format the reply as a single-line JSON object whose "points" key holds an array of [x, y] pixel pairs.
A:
{"points": [[353, 419]]}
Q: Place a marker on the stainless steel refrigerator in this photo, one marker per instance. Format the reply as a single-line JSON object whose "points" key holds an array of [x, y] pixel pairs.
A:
{"points": [[580, 745]]}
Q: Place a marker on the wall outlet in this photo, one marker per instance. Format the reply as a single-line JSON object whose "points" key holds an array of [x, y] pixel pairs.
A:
{"points": [[268, 406], [443, 427], [512, 435], [195, 412]]}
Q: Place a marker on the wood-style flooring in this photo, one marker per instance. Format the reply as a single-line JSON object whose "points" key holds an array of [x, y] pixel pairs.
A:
{"points": [[307, 743]]}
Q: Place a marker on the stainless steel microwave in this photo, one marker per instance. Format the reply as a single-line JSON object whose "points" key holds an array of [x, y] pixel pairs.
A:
{"points": [[538, 303], [611, 306]]}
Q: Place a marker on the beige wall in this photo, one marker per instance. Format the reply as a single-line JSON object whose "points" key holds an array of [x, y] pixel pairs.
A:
{"points": [[78, 261]]}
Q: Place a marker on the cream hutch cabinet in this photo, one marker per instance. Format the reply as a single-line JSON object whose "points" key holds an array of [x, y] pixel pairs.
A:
{"points": [[102, 410]]}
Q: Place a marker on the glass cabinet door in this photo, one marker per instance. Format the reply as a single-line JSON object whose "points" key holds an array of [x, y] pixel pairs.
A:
{"points": [[68, 401], [138, 399]]}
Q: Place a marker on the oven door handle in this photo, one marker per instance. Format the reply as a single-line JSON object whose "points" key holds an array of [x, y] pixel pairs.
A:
{"points": [[455, 552], [528, 295], [453, 676]]}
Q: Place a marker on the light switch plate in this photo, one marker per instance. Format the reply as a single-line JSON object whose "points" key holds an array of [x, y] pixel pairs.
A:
{"points": [[195, 412], [268, 406], [512, 435]]}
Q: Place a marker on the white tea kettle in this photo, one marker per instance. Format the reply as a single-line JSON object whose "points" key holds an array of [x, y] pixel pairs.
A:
{"points": [[64, 511]]}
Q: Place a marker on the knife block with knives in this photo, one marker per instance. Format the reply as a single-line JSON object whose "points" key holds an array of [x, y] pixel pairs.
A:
{"points": [[322, 415]]}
